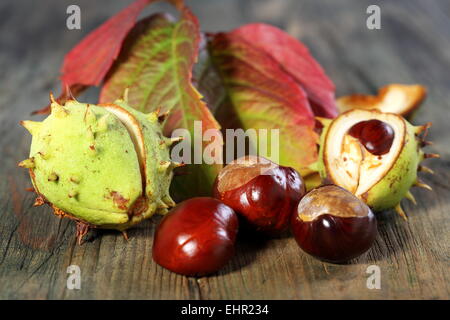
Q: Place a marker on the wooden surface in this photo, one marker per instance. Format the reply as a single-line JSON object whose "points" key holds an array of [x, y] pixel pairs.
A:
{"points": [[413, 46]]}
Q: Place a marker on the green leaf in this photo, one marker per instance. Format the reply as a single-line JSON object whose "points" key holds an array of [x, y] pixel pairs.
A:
{"points": [[156, 66], [246, 88]]}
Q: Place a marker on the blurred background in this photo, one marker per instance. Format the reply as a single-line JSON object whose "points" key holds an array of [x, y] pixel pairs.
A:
{"points": [[408, 48]]}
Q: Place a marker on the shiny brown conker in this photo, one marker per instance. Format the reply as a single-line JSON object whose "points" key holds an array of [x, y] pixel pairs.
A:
{"points": [[375, 135], [333, 225], [262, 192], [196, 238]]}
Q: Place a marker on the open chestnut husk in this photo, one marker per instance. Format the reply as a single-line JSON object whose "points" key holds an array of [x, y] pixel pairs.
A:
{"points": [[262, 192], [196, 238], [333, 225]]}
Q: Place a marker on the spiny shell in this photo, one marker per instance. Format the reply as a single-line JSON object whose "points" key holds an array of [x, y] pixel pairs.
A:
{"points": [[395, 185], [100, 167]]}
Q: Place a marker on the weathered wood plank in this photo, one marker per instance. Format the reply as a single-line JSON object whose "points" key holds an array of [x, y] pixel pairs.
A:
{"points": [[36, 248]]}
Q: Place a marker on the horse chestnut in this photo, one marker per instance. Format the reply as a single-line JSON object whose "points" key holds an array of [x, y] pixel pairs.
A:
{"points": [[264, 193], [375, 135], [196, 237], [333, 225]]}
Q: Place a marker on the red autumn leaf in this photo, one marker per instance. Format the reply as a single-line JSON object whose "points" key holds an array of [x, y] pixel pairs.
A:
{"points": [[155, 66], [296, 60], [90, 60], [259, 94]]}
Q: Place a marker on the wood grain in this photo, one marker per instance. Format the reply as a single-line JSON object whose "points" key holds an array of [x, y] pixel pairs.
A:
{"points": [[413, 46]]}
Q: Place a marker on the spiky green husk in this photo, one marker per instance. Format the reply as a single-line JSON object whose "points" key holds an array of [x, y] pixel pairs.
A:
{"points": [[395, 185], [388, 192], [84, 163]]}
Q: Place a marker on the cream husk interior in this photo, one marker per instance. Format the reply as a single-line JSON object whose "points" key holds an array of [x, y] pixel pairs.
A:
{"points": [[394, 101], [394, 98], [348, 163]]}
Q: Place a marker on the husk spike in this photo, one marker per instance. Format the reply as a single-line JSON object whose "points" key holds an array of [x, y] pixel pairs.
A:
{"points": [[431, 155], [423, 128], [82, 230], [169, 201], [425, 169], [27, 163], [324, 121], [162, 205], [152, 116], [163, 117], [52, 98], [171, 141], [178, 164], [38, 202], [424, 143], [411, 198], [420, 184], [401, 212], [33, 127], [57, 109], [125, 94]]}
